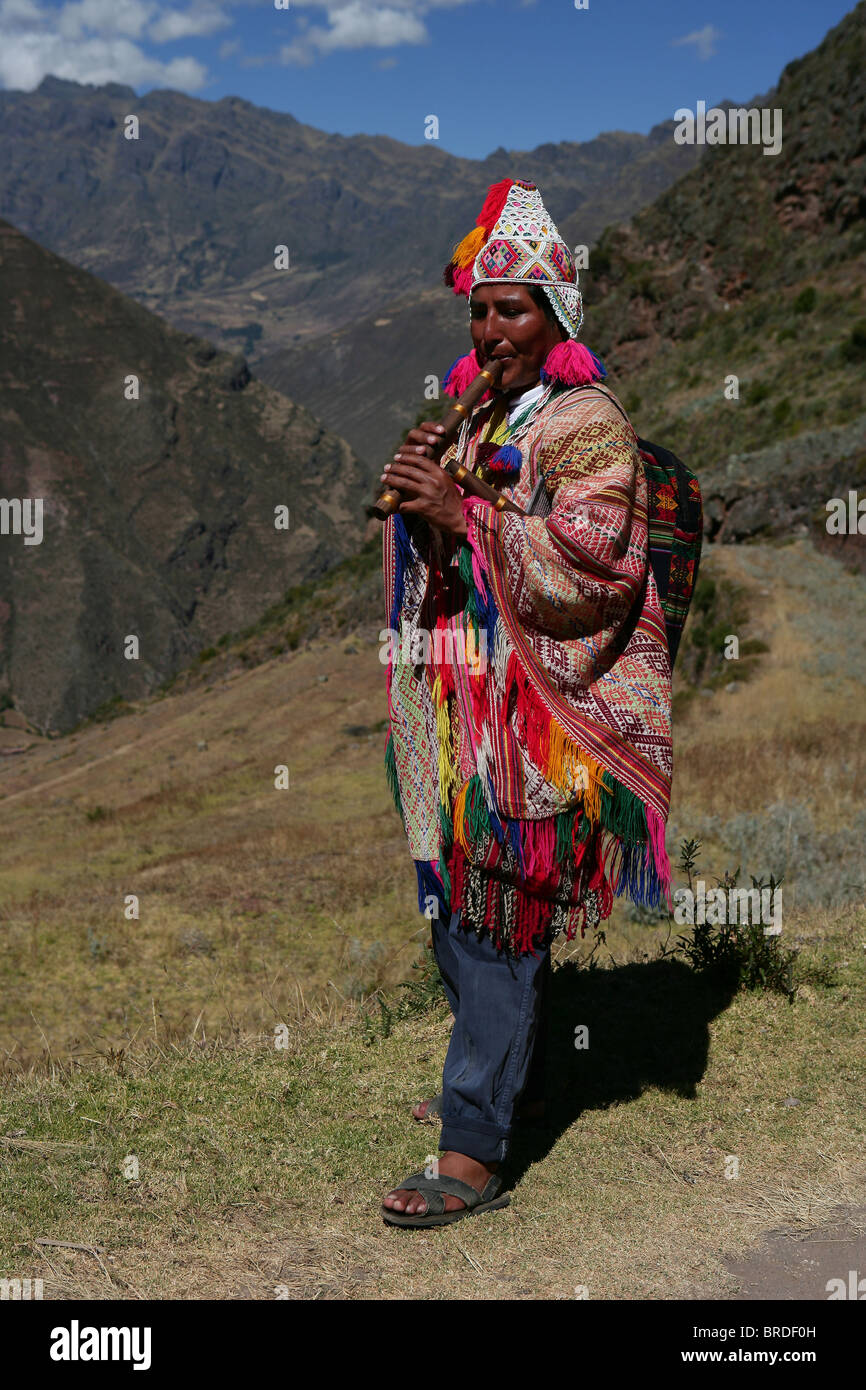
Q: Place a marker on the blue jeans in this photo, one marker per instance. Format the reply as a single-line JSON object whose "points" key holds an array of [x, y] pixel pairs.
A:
{"points": [[496, 1053]]}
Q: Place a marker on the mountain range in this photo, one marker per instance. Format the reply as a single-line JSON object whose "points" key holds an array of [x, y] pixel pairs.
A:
{"points": [[186, 218]]}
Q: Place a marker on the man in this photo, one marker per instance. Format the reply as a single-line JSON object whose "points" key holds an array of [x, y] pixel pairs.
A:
{"points": [[530, 753]]}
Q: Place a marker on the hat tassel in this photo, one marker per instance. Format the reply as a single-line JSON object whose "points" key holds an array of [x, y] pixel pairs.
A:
{"points": [[572, 364], [459, 375]]}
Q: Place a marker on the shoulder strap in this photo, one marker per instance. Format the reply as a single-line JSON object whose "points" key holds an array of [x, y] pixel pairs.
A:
{"points": [[590, 386]]}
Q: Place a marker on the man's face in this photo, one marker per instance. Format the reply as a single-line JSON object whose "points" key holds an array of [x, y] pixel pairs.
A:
{"points": [[507, 323]]}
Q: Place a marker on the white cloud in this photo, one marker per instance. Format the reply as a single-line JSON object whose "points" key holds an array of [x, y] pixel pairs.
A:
{"points": [[26, 58], [361, 24], [184, 24], [96, 41], [106, 17], [705, 40], [356, 25]]}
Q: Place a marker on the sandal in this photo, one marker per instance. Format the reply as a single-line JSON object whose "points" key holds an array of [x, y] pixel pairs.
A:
{"points": [[432, 1190]]}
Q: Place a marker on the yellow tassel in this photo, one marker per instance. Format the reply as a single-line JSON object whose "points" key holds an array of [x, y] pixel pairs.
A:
{"points": [[567, 766], [448, 775], [466, 250], [593, 792]]}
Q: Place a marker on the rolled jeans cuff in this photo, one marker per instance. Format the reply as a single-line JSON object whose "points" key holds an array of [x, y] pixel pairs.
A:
{"points": [[485, 1143]]}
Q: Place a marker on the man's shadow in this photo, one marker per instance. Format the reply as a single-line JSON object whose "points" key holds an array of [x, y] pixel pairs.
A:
{"points": [[614, 1032]]}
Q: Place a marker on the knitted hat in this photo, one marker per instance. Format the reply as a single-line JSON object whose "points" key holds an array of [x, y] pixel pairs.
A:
{"points": [[516, 241]]}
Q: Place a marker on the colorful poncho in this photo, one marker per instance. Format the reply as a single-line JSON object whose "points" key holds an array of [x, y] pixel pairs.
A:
{"points": [[529, 688]]}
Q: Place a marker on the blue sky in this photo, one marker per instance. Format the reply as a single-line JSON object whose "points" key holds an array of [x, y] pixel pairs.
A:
{"points": [[516, 73]]}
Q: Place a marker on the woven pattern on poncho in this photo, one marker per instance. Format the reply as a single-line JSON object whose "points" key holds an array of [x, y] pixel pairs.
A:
{"points": [[529, 744]]}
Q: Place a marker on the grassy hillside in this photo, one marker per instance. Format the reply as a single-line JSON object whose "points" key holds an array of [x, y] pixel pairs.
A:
{"points": [[260, 1170], [262, 1166], [248, 893], [750, 266]]}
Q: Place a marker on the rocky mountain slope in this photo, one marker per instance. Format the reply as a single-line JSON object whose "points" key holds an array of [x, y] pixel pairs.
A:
{"points": [[751, 267], [158, 512]]}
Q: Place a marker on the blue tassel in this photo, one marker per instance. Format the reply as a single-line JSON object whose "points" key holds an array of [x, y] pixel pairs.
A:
{"points": [[517, 844], [492, 814], [402, 560], [430, 885], [481, 605], [507, 459], [638, 877]]}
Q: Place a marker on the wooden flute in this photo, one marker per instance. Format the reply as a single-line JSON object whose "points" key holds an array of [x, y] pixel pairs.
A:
{"points": [[489, 376]]}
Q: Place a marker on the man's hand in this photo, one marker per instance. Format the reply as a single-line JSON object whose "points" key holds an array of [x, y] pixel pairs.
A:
{"points": [[427, 489]]}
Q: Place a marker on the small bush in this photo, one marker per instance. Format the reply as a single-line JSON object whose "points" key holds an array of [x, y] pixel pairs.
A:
{"points": [[756, 392], [806, 300], [854, 346], [421, 995], [738, 954]]}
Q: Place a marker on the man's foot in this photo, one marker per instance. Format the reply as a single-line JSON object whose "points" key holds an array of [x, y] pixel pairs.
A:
{"points": [[533, 1110], [452, 1165]]}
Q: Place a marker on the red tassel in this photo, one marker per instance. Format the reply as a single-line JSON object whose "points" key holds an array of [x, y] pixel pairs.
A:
{"points": [[490, 213]]}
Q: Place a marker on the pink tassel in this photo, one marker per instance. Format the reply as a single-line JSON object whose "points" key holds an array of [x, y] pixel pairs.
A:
{"points": [[539, 844], [572, 364], [656, 828], [462, 283], [479, 568], [460, 374]]}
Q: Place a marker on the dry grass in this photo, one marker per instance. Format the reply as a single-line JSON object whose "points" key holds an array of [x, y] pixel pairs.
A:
{"points": [[261, 1170]]}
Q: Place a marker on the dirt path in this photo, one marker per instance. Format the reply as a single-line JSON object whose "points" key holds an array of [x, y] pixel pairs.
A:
{"points": [[792, 1265]]}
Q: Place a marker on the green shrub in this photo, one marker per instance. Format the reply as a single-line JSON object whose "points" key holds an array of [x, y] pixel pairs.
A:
{"points": [[806, 300], [738, 954], [419, 996], [854, 346], [757, 391]]}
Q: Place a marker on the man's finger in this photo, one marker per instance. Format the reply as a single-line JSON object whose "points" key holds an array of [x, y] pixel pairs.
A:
{"points": [[425, 467], [406, 480], [416, 449]]}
